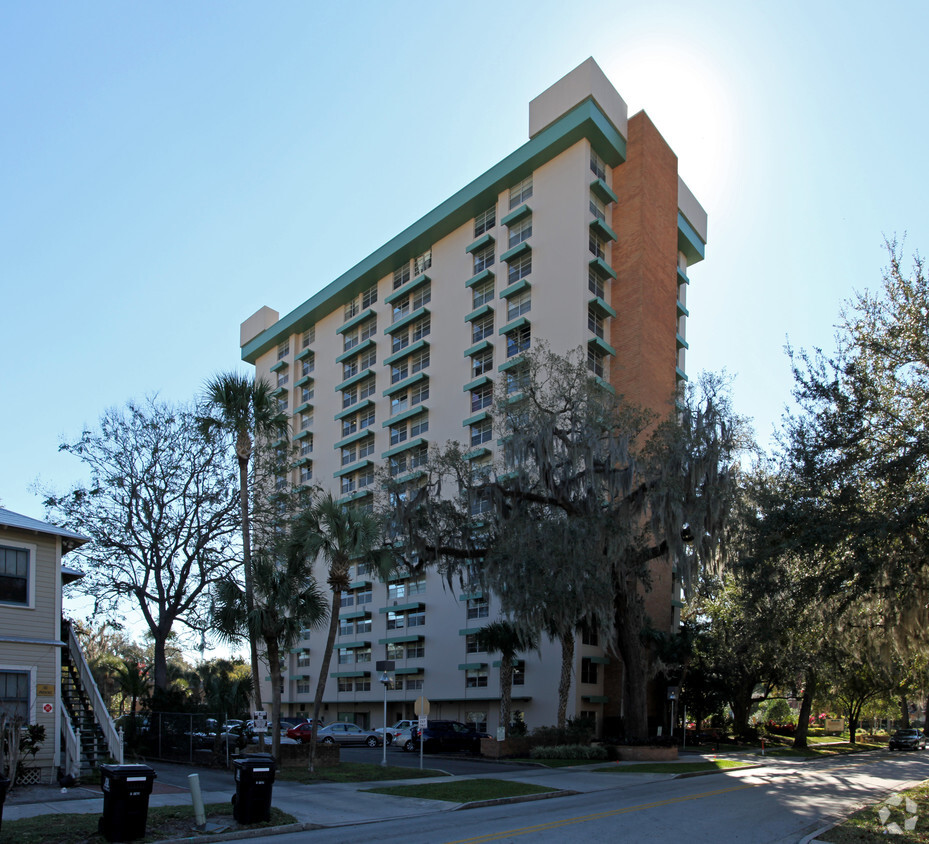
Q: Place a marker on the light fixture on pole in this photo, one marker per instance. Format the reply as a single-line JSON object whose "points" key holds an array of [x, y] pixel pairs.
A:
{"points": [[384, 666]]}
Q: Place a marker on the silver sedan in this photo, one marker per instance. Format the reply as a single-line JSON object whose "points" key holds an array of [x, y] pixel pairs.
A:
{"points": [[343, 732]]}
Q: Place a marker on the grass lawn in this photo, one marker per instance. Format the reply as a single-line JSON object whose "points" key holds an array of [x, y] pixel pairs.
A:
{"points": [[672, 767], [866, 826], [463, 791], [355, 772], [163, 822], [823, 750], [557, 763]]}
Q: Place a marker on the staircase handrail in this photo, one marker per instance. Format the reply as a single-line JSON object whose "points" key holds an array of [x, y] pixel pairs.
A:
{"points": [[72, 749], [101, 714]]}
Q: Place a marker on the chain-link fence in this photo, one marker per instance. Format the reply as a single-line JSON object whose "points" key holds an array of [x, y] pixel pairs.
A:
{"points": [[200, 738]]}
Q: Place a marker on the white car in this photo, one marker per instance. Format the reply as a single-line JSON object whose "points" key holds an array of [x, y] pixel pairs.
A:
{"points": [[394, 731]]}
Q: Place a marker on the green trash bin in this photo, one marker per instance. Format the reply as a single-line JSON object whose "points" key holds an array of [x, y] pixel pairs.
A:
{"points": [[126, 789], [254, 780]]}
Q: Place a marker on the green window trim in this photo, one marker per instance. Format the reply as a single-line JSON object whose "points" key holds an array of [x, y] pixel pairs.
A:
{"points": [[602, 268], [514, 361], [596, 698], [680, 374], [303, 435], [281, 364], [404, 353], [409, 670], [477, 314], [403, 322], [304, 354], [403, 417], [358, 435], [303, 461], [688, 241], [415, 605], [348, 499], [603, 229], [409, 476], [602, 345], [350, 674], [406, 289], [516, 215], [306, 379], [605, 384], [474, 453], [350, 646], [355, 320], [279, 442], [305, 406], [470, 596], [399, 449], [358, 376], [603, 191], [280, 391], [362, 405], [469, 631], [396, 640], [478, 347], [360, 584], [480, 243], [513, 289], [682, 309], [406, 382], [483, 275], [471, 666], [351, 616], [480, 416], [357, 350], [681, 342], [682, 277], [512, 326], [600, 660], [676, 602], [353, 467], [517, 251], [480, 381], [602, 305]]}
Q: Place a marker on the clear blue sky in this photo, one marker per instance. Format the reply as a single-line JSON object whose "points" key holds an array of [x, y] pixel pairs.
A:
{"points": [[168, 168]]}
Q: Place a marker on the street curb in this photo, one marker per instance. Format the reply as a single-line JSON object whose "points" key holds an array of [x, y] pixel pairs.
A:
{"points": [[523, 798], [690, 774]]}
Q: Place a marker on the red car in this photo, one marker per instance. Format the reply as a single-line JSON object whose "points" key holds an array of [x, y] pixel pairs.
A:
{"points": [[302, 732]]}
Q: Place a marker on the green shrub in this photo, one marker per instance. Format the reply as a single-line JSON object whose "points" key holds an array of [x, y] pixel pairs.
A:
{"points": [[569, 751]]}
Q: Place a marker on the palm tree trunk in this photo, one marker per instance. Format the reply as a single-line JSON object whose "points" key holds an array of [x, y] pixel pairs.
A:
{"points": [[506, 691], [274, 661], [564, 683], [324, 671], [247, 576]]}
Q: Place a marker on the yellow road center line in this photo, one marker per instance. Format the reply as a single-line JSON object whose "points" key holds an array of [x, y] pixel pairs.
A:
{"points": [[526, 830]]}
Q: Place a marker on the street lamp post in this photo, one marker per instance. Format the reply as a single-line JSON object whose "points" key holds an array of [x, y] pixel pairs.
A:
{"points": [[385, 666]]}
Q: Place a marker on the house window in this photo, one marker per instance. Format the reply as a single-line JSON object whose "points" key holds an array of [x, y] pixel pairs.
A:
{"points": [[597, 165], [482, 397], [369, 297], [483, 259], [308, 336], [520, 192], [14, 694], [283, 350], [476, 678], [520, 231], [518, 341], [588, 671], [482, 432], [423, 262], [401, 276], [482, 293], [478, 608], [482, 362], [519, 304], [482, 327], [519, 268], [485, 221]]}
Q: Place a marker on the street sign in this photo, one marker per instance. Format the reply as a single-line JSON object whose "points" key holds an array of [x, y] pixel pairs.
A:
{"points": [[47, 708], [423, 722], [260, 718], [421, 707], [45, 690]]}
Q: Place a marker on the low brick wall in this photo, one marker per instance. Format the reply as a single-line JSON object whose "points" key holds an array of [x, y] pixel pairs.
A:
{"points": [[519, 747], [646, 753]]}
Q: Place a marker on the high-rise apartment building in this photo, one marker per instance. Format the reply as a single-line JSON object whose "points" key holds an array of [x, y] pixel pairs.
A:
{"points": [[581, 237]]}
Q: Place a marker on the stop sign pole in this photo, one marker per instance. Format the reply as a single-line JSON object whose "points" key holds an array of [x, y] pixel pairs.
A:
{"points": [[421, 708]]}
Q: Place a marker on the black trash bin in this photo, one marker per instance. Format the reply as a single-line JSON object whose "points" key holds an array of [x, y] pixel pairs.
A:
{"points": [[125, 801], [4, 786], [254, 780]]}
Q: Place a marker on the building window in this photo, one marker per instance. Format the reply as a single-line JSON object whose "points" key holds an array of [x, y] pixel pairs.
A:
{"points": [[597, 208], [306, 446], [519, 304], [366, 388], [419, 360], [595, 362], [473, 644], [367, 359], [423, 262], [477, 720], [483, 259], [366, 477], [303, 659], [14, 575], [414, 683], [282, 404], [14, 694], [346, 627], [308, 364], [396, 620], [346, 657], [478, 608], [366, 448], [398, 434], [597, 165], [303, 687], [482, 397], [482, 362], [595, 284], [352, 309], [401, 309], [350, 339], [520, 192], [306, 393], [401, 276], [416, 650], [366, 418], [595, 322], [519, 268], [282, 378], [589, 636], [363, 625], [349, 368], [485, 221], [399, 371], [395, 651], [482, 327], [364, 596], [309, 336], [419, 393], [306, 473], [476, 678], [349, 455], [283, 349], [520, 231], [306, 420], [479, 502], [345, 684], [482, 293], [347, 484], [482, 432], [350, 396], [369, 297], [519, 673], [419, 426], [368, 328], [596, 245], [517, 380], [421, 328], [422, 296], [518, 341], [588, 671]]}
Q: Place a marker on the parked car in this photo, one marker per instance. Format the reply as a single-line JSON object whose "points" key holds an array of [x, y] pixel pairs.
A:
{"points": [[445, 736], [908, 740], [394, 732], [344, 732], [302, 732]]}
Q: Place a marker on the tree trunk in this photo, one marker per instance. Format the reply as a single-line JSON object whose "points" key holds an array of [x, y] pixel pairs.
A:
{"points": [[274, 663], [160, 662], [806, 708], [741, 704], [506, 691], [564, 682], [904, 712], [324, 671], [635, 666], [247, 573]]}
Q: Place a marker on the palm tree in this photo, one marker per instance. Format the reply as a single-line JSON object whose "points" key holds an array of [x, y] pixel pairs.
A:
{"points": [[286, 601], [507, 639], [133, 682], [244, 409], [340, 535]]}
